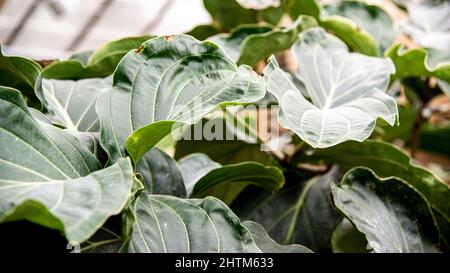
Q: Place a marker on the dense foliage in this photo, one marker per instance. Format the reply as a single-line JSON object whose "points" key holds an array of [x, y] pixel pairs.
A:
{"points": [[155, 144]]}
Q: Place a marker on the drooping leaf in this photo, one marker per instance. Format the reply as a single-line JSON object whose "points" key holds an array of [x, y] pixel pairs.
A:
{"points": [[356, 37], [226, 148], [394, 217], [259, 4], [161, 174], [19, 73], [49, 178], [229, 14], [296, 8], [428, 24], [202, 32], [250, 45], [347, 239], [101, 63], [169, 224], [346, 100], [171, 81], [233, 42], [202, 175], [370, 18], [300, 213], [387, 161], [267, 244], [419, 62], [71, 104]]}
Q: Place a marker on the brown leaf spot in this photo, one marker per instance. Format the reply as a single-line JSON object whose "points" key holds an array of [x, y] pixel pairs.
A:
{"points": [[168, 38], [139, 49]]}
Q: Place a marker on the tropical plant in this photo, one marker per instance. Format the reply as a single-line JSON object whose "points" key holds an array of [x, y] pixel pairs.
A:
{"points": [[158, 144]]}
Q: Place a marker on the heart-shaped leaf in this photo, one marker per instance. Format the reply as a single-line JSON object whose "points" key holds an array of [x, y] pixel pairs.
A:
{"points": [[393, 216], [201, 175], [387, 161], [300, 213], [169, 81], [267, 244], [428, 24], [161, 174], [71, 104], [19, 73], [168, 224], [101, 63], [346, 100], [49, 178]]}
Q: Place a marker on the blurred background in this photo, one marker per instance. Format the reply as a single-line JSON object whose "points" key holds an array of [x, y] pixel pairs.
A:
{"points": [[52, 29]]}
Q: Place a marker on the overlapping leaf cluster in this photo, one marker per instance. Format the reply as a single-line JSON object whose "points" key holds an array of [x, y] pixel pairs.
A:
{"points": [[87, 147]]}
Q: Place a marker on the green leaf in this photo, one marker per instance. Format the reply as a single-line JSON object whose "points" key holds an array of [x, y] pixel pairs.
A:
{"points": [[19, 73], [394, 217], [435, 138], [202, 32], [169, 224], [71, 104], [302, 7], [259, 47], [49, 178], [101, 63], [267, 244], [418, 62], [347, 239], [233, 43], [299, 213], [161, 174], [229, 14], [201, 176], [171, 81], [222, 149], [355, 37], [386, 161], [345, 102], [428, 25], [371, 18]]}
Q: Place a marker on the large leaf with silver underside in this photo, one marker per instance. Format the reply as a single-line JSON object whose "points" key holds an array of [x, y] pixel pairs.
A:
{"points": [[169, 81], [428, 24], [203, 175], [347, 91], [71, 104], [394, 217], [49, 178], [163, 223]]}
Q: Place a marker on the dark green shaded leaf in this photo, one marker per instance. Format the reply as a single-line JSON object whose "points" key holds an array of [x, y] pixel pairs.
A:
{"points": [[300, 213], [161, 174], [202, 176]]}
